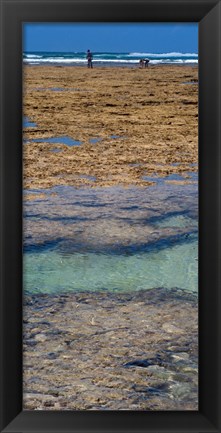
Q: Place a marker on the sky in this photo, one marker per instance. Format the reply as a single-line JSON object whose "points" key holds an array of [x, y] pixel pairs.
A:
{"points": [[111, 37]]}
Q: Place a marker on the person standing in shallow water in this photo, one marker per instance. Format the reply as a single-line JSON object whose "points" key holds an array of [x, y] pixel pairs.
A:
{"points": [[89, 59]]}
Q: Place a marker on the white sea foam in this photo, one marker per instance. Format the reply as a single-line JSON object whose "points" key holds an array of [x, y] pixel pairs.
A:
{"points": [[55, 60], [110, 58], [78, 60], [32, 56], [163, 55], [108, 61]]}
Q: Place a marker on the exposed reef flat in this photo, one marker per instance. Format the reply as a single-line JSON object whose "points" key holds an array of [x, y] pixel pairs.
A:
{"points": [[126, 122]]}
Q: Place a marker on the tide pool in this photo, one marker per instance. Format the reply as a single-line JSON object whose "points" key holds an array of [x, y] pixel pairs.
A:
{"points": [[53, 272], [60, 140], [112, 239]]}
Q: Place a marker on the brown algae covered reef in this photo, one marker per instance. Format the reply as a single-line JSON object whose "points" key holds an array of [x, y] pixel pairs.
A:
{"points": [[125, 123]]}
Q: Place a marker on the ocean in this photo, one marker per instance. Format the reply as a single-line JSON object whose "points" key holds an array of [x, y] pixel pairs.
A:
{"points": [[108, 59]]}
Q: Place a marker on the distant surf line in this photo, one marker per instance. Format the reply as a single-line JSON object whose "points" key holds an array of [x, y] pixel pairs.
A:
{"points": [[109, 58]]}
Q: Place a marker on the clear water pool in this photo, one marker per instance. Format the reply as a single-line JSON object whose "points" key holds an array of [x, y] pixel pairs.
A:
{"points": [[112, 239]]}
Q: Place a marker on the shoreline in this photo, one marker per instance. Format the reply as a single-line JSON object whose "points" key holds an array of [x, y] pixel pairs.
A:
{"points": [[109, 65]]}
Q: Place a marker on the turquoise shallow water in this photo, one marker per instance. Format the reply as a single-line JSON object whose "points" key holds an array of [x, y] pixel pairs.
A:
{"points": [[53, 272], [111, 239]]}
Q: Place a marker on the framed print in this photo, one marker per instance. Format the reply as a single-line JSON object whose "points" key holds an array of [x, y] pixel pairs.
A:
{"points": [[110, 258]]}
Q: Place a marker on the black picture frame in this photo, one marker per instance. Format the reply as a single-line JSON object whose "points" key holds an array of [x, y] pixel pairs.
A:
{"points": [[208, 14]]}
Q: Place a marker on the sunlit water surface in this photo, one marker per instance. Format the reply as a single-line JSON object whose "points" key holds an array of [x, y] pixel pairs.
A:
{"points": [[112, 239]]}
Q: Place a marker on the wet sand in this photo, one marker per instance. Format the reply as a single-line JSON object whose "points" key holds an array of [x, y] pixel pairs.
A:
{"points": [[109, 351], [145, 121]]}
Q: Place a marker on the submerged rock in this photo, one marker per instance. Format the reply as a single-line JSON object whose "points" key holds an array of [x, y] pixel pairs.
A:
{"points": [[138, 363], [127, 361]]}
